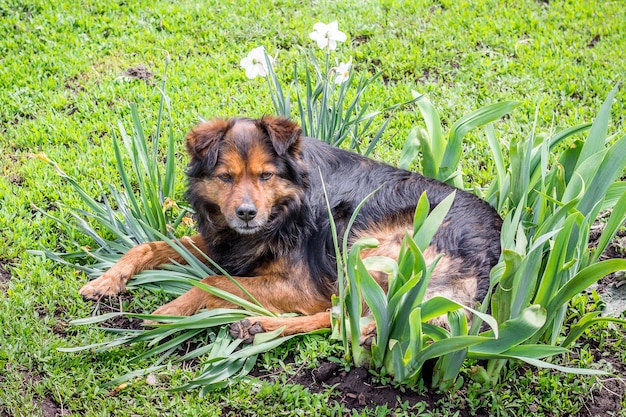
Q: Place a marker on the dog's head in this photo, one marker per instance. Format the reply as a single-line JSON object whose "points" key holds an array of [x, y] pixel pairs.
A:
{"points": [[243, 173]]}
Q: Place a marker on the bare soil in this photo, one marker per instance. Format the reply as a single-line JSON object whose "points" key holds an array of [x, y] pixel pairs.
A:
{"points": [[5, 275], [140, 72]]}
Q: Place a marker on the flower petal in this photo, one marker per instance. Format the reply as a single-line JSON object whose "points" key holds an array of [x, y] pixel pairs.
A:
{"points": [[321, 27], [315, 36], [338, 36], [251, 72]]}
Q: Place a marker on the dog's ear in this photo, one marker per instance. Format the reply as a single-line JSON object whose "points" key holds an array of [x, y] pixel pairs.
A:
{"points": [[284, 134], [203, 140]]}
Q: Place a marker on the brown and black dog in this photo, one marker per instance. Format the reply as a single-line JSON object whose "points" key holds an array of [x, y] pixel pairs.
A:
{"points": [[262, 216]]}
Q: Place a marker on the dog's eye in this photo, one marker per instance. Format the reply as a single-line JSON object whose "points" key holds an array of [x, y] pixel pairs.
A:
{"points": [[225, 177], [266, 176]]}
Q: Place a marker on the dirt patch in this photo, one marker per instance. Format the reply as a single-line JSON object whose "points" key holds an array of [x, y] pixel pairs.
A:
{"points": [[357, 389], [59, 325], [617, 247], [605, 398], [594, 41], [75, 84], [140, 72], [5, 276], [115, 305], [608, 392], [17, 179], [48, 406], [361, 39]]}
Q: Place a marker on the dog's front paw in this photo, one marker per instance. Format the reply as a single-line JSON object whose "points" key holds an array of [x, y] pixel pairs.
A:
{"points": [[246, 329], [107, 285]]}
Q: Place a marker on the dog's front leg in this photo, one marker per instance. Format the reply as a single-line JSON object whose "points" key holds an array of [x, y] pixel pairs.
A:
{"points": [[141, 257], [276, 294]]}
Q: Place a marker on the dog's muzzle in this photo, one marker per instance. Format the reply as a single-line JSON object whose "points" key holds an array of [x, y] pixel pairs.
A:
{"points": [[246, 212], [246, 220]]}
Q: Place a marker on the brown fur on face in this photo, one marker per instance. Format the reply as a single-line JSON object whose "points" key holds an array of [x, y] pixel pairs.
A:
{"points": [[241, 182], [243, 178]]}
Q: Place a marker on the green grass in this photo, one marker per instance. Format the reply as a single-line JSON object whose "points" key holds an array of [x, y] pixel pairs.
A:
{"points": [[62, 91]]}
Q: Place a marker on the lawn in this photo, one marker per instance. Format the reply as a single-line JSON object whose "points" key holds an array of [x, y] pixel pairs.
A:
{"points": [[69, 72]]}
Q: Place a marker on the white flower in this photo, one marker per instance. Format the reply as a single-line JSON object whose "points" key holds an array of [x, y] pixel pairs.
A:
{"points": [[327, 36], [343, 72], [255, 63]]}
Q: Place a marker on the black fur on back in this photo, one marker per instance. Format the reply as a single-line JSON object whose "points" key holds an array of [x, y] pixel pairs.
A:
{"points": [[299, 228], [471, 229]]}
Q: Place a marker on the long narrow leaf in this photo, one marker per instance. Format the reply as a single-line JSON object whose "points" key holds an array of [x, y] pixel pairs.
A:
{"points": [[584, 279], [616, 220], [597, 134], [477, 118]]}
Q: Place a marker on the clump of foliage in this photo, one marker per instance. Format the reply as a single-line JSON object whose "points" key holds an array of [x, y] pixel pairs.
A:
{"points": [[549, 203], [328, 98]]}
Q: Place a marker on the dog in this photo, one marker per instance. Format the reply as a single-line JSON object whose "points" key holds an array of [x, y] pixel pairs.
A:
{"points": [[257, 189]]}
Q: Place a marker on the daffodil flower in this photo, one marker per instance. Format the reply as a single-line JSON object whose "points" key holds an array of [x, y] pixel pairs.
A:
{"points": [[343, 72], [327, 36], [255, 63]]}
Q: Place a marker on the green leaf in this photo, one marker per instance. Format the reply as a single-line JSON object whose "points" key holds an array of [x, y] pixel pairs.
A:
{"points": [[542, 364], [448, 366], [410, 150], [583, 280], [202, 320], [549, 283], [132, 375], [440, 348], [612, 166], [616, 220], [225, 295], [381, 264], [439, 306], [427, 230], [436, 140], [373, 295], [513, 332], [613, 194], [597, 134], [501, 172], [264, 337], [477, 118], [172, 344], [96, 319], [421, 212], [415, 336], [429, 165], [585, 322], [531, 351]]}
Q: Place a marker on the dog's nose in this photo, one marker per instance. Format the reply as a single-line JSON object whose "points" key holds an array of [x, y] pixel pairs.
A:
{"points": [[246, 211]]}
